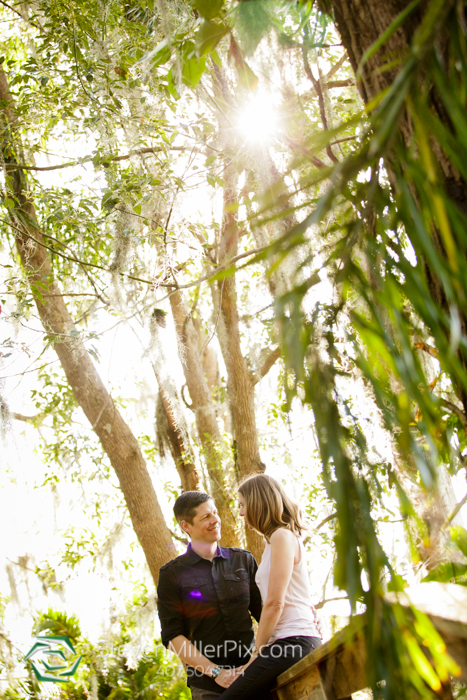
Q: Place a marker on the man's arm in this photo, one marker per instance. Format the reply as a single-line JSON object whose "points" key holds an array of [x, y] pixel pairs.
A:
{"points": [[191, 656], [255, 605], [171, 617], [169, 606]]}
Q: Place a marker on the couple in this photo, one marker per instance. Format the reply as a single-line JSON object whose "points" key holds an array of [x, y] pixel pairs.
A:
{"points": [[206, 595]]}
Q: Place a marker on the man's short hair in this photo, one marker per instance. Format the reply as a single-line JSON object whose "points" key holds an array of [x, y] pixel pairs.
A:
{"points": [[186, 505]]}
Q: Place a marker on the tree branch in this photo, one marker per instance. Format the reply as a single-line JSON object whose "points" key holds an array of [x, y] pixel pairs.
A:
{"points": [[339, 83], [12, 9], [457, 411], [319, 526], [335, 68], [204, 278], [216, 271], [65, 257], [322, 603], [317, 162], [452, 515], [180, 539], [267, 364], [326, 520], [88, 159], [25, 419], [319, 92]]}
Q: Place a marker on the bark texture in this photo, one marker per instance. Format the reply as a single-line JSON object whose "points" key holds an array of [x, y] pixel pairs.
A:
{"points": [[167, 428], [205, 416], [360, 23], [113, 432]]}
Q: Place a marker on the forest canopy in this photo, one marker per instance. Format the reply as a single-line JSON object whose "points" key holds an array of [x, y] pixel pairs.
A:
{"points": [[233, 240]]}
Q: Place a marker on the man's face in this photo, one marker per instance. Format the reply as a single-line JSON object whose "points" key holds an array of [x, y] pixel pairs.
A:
{"points": [[206, 524]]}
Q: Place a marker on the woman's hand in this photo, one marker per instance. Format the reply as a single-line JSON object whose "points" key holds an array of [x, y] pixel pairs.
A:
{"points": [[240, 670], [226, 677]]}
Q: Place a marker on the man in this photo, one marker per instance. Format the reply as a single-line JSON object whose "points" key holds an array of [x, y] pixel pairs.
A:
{"points": [[205, 598]]}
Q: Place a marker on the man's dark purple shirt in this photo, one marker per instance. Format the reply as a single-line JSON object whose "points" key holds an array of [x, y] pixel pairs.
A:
{"points": [[210, 604]]}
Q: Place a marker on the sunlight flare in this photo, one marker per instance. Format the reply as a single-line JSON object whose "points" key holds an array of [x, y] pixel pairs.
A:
{"points": [[259, 118]]}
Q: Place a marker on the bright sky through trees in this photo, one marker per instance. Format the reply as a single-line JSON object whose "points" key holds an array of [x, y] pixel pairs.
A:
{"points": [[258, 120]]}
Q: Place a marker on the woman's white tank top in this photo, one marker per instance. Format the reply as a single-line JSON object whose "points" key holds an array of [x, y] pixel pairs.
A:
{"points": [[297, 618]]}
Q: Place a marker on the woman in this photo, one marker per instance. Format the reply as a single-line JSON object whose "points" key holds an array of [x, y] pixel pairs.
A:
{"points": [[287, 629]]}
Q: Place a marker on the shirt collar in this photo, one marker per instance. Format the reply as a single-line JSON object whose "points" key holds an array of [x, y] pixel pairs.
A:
{"points": [[194, 558]]}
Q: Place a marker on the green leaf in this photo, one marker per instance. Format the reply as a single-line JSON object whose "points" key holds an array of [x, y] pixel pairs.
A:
{"points": [[246, 76], [159, 55], [459, 536], [216, 58], [208, 8], [252, 22], [208, 36], [446, 572], [171, 85], [192, 70], [36, 293], [109, 200], [397, 583]]}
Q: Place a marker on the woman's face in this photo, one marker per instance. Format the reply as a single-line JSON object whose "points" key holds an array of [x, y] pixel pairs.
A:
{"points": [[241, 503]]}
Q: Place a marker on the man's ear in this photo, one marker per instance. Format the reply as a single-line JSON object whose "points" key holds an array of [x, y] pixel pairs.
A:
{"points": [[186, 527]]}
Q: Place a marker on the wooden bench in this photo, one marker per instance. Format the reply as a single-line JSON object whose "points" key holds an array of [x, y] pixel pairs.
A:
{"points": [[338, 668]]}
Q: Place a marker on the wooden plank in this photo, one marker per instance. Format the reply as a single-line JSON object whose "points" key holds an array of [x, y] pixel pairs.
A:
{"points": [[344, 673], [343, 637], [306, 686], [338, 668]]}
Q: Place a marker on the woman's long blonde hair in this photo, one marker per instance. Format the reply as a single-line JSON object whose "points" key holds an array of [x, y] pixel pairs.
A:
{"points": [[268, 507]]}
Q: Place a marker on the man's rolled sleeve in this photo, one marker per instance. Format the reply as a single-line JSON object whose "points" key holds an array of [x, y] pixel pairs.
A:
{"points": [[256, 605], [169, 606]]}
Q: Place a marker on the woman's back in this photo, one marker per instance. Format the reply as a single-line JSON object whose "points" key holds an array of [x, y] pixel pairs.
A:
{"points": [[297, 618]]}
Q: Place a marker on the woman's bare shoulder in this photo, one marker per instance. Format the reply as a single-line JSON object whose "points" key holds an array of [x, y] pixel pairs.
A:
{"points": [[282, 534]]}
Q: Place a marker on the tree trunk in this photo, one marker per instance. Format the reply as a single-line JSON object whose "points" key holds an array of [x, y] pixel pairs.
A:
{"points": [[205, 416], [240, 380], [115, 435], [167, 430], [360, 23]]}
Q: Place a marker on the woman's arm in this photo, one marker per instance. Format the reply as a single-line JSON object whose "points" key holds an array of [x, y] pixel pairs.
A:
{"points": [[283, 548]]}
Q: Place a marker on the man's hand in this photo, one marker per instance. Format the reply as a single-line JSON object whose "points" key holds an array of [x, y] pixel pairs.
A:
{"points": [[226, 677]]}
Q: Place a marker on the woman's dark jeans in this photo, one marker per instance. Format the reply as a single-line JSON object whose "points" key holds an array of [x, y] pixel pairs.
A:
{"points": [[260, 676]]}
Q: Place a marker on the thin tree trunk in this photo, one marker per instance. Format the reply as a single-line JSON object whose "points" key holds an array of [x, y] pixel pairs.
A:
{"points": [[167, 429], [115, 435], [205, 416], [240, 380]]}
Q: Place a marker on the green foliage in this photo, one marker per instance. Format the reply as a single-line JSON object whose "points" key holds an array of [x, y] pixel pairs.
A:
{"points": [[396, 257], [394, 254], [453, 571], [156, 674], [57, 623]]}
